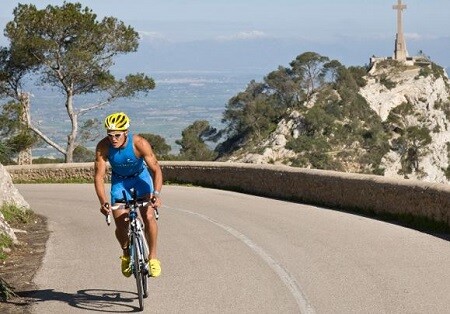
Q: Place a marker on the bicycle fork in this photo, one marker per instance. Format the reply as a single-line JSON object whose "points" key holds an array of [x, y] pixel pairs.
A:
{"points": [[141, 250]]}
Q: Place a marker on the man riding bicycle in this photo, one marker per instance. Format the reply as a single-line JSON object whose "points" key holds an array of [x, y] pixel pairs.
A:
{"points": [[126, 153]]}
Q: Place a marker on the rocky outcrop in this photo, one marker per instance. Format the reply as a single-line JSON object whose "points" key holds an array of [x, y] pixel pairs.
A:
{"points": [[423, 90], [9, 195], [274, 148]]}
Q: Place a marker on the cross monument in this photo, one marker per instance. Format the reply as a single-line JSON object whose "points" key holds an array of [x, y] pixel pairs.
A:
{"points": [[400, 52]]}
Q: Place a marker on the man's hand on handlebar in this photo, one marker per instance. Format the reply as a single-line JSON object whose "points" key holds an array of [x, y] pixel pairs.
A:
{"points": [[155, 201], [105, 209]]}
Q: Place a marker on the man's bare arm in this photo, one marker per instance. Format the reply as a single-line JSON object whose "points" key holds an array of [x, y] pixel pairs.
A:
{"points": [[100, 171], [145, 150]]}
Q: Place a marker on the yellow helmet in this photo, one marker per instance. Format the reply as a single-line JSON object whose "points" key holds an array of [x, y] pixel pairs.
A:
{"points": [[118, 121]]}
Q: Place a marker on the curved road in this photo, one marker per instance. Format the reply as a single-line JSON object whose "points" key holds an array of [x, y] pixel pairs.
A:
{"points": [[225, 252]]}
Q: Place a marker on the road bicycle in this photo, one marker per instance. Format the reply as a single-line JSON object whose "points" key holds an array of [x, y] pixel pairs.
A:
{"points": [[137, 244]]}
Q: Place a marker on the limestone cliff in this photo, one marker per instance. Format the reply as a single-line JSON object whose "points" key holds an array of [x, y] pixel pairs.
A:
{"points": [[429, 97]]}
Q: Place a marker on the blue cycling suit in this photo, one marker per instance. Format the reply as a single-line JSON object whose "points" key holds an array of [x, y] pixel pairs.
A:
{"points": [[128, 171]]}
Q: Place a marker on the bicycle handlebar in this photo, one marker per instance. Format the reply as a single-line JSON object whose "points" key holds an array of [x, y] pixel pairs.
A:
{"points": [[136, 204]]}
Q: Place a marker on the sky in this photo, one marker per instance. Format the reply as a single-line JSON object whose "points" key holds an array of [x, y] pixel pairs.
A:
{"points": [[263, 33]]}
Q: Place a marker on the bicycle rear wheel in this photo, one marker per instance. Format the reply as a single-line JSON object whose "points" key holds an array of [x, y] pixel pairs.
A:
{"points": [[138, 271]]}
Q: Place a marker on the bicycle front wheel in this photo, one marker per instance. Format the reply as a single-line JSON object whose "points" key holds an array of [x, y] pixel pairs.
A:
{"points": [[144, 284], [143, 259], [145, 252], [138, 271]]}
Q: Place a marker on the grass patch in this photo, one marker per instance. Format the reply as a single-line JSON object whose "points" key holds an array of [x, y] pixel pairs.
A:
{"points": [[5, 242], [15, 217]]}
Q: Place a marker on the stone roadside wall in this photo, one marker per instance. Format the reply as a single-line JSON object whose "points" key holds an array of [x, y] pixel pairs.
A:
{"points": [[363, 193]]}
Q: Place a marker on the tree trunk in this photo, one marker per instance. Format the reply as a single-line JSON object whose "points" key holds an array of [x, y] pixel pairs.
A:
{"points": [[25, 157], [71, 138]]}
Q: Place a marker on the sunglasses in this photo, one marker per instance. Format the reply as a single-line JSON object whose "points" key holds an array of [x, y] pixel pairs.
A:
{"points": [[116, 135]]}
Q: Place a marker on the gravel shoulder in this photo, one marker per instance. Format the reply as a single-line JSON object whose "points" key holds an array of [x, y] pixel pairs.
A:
{"points": [[19, 269]]}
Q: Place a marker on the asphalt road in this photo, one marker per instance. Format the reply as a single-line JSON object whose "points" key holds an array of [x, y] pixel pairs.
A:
{"points": [[225, 252]]}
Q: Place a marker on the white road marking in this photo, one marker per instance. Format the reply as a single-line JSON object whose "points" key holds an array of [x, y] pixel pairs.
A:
{"points": [[288, 280]]}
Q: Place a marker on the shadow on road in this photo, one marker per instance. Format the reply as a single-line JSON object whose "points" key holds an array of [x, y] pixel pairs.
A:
{"points": [[111, 301]]}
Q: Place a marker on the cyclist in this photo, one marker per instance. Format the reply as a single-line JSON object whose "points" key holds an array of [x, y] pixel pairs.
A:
{"points": [[126, 153]]}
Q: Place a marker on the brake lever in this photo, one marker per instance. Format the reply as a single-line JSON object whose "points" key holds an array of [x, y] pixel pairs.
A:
{"points": [[108, 216]]}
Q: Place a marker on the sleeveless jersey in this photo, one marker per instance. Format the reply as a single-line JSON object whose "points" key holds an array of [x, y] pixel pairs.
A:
{"points": [[123, 161]]}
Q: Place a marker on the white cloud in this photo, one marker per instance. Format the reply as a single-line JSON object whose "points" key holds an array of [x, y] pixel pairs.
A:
{"points": [[151, 36], [416, 36], [243, 36], [413, 36]]}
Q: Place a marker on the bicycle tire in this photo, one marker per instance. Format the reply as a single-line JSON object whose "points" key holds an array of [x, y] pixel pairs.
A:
{"points": [[137, 271], [144, 255], [144, 285]]}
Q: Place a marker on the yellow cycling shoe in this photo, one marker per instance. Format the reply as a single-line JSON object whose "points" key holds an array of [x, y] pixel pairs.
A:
{"points": [[155, 268], [126, 267]]}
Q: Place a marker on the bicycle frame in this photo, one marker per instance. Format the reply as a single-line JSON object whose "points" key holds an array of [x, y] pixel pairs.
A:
{"points": [[138, 246], [136, 231]]}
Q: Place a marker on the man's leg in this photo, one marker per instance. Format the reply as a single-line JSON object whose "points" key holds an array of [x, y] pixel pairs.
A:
{"points": [[120, 216], [151, 233]]}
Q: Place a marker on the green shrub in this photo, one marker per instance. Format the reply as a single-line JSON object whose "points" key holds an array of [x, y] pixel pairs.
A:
{"points": [[425, 72], [389, 84], [45, 160]]}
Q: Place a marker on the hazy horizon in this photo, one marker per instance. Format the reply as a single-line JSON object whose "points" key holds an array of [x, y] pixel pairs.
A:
{"points": [[261, 34]]}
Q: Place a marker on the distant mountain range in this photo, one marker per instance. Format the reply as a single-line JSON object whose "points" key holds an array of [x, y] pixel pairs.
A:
{"points": [[264, 55]]}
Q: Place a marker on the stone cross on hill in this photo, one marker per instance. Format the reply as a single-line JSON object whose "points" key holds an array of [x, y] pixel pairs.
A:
{"points": [[400, 52]]}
